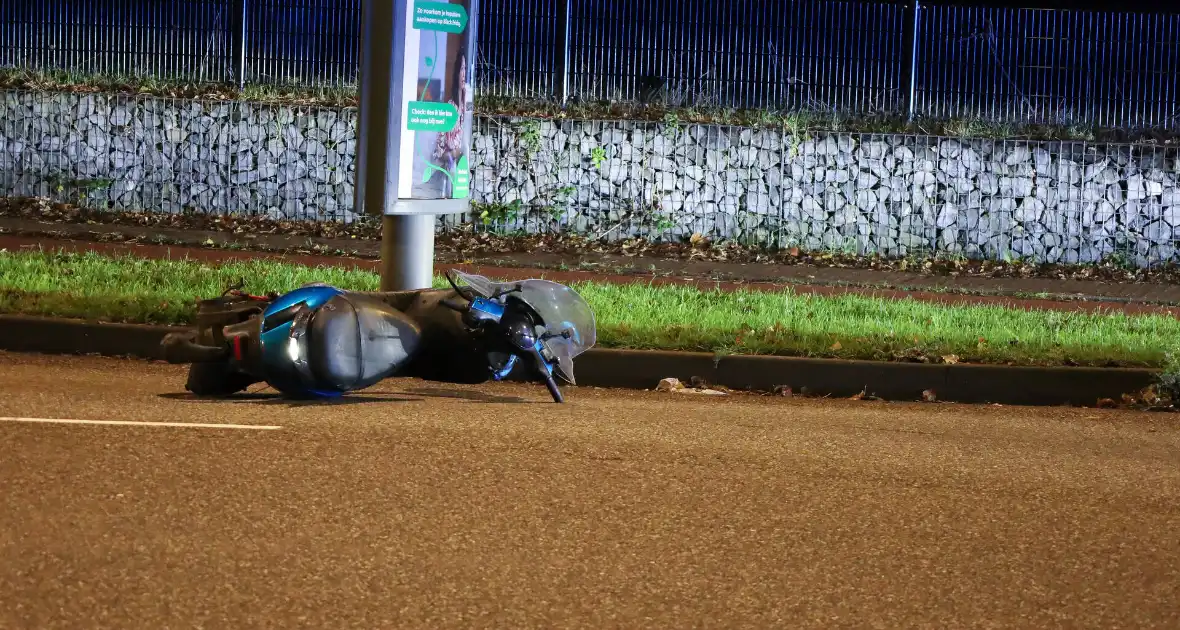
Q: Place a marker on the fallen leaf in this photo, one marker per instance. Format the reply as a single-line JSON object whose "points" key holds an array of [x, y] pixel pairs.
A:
{"points": [[950, 359], [836, 346], [929, 396], [670, 385], [707, 392], [783, 390], [1106, 403]]}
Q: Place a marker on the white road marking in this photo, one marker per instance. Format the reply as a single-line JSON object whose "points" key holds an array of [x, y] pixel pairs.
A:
{"points": [[194, 425]]}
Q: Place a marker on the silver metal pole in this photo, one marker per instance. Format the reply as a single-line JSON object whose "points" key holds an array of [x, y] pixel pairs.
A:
{"points": [[407, 241], [407, 252]]}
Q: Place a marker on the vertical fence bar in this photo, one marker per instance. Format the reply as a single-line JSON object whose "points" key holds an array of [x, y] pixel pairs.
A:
{"points": [[914, 33], [243, 6], [561, 79]]}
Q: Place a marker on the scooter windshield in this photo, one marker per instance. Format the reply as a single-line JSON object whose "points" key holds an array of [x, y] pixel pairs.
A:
{"points": [[561, 308]]}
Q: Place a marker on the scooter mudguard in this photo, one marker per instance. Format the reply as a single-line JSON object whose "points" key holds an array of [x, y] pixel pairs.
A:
{"points": [[275, 339]]}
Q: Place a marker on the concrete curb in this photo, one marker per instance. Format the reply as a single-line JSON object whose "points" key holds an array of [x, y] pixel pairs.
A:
{"points": [[633, 369]]}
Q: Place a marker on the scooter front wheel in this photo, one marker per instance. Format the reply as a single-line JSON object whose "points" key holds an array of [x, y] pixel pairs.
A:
{"points": [[550, 384]]}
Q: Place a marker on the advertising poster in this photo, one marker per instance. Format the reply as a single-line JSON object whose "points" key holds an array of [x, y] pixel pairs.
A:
{"points": [[438, 87]]}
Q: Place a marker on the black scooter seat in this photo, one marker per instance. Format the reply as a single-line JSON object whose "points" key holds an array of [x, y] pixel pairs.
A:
{"points": [[354, 341]]}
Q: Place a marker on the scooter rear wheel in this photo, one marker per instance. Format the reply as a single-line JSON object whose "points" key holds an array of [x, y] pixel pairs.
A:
{"points": [[216, 380]]}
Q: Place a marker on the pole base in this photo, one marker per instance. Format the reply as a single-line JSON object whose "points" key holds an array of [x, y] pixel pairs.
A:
{"points": [[407, 252]]}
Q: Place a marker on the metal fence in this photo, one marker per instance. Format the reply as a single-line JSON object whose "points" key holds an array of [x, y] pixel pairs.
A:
{"points": [[1051, 67], [930, 60]]}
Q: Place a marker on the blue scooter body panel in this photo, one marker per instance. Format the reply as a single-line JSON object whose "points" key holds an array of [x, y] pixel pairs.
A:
{"points": [[277, 364]]}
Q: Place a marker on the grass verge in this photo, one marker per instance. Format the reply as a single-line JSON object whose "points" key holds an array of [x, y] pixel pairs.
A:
{"points": [[137, 290]]}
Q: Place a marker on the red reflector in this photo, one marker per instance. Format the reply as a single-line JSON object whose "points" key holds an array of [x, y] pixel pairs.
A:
{"points": [[238, 348]]}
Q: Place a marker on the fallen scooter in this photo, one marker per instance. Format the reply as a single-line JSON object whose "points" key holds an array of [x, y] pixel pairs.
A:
{"points": [[320, 341]]}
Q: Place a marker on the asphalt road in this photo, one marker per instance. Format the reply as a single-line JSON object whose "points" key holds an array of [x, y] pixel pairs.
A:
{"points": [[427, 506]]}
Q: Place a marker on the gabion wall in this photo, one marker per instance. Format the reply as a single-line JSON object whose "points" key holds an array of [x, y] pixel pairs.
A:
{"points": [[895, 195]]}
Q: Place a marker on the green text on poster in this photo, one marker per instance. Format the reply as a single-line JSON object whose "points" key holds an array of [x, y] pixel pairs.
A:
{"points": [[462, 187], [428, 116], [439, 16]]}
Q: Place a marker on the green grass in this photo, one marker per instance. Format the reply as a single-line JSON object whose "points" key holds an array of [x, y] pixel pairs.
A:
{"points": [[631, 316]]}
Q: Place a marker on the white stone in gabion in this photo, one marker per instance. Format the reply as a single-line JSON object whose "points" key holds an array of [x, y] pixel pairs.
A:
{"points": [[832, 176], [695, 173], [1158, 232], [950, 148], [1016, 186], [971, 160], [759, 203], [728, 205], [1107, 176], [833, 203], [963, 185], [989, 184], [1030, 213], [952, 169], [874, 149], [947, 216], [1018, 155], [1068, 171], [866, 199], [1154, 188], [1170, 197], [1043, 162], [615, 170], [613, 135], [1092, 171], [848, 216], [813, 209], [827, 146], [925, 178], [747, 156], [673, 202], [1136, 188], [904, 155]]}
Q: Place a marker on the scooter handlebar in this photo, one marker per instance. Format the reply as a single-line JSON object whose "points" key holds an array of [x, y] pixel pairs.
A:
{"points": [[456, 306]]}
